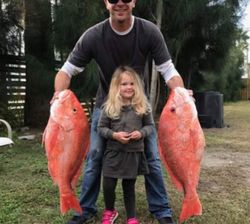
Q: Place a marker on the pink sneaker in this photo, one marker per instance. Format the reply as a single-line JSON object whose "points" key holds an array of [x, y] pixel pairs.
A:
{"points": [[109, 217], [132, 221]]}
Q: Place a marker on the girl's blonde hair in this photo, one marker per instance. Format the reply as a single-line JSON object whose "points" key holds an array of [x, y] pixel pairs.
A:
{"points": [[114, 104]]}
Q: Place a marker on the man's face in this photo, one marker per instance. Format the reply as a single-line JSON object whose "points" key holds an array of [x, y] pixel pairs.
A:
{"points": [[120, 12]]}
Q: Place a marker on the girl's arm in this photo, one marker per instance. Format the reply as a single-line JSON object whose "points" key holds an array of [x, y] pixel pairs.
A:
{"points": [[146, 130], [148, 125], [104, 130], [103, 127]]}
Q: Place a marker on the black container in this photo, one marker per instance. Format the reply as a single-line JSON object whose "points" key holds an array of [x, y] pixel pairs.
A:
{"points": [[210, 109]]}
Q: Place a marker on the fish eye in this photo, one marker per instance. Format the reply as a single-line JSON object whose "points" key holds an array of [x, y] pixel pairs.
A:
{"points": [[74, 110], [172, 109]]}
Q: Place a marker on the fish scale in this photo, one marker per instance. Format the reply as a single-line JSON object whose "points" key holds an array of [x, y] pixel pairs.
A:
{"points": [[181, 144], [66, 139]]}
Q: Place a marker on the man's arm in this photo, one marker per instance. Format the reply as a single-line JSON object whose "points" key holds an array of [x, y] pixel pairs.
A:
{"points": [[171, 76], [175, 81], [63, 77], [62, 81]]}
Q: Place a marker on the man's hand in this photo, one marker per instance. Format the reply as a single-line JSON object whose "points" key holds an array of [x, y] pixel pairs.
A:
{"points": [[62, 82], [191, 93], [135, 135], [122, 137], [176, 81], [55, 96]]}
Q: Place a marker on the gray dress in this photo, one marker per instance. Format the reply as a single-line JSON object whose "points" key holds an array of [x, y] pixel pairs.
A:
{"points": [[125, 161]]}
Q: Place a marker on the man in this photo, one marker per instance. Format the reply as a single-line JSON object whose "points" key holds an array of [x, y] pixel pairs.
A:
{"points": [[120, 40]]}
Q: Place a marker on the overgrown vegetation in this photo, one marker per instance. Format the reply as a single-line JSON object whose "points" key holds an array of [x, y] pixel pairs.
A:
{"points": [[29, 196], [202, 36]]}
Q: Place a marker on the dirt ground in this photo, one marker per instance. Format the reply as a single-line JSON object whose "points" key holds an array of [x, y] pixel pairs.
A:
{"points": [[228, 148], [229, 159]]}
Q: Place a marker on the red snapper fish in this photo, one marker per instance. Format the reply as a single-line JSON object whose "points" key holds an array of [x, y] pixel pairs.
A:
{"points": [[66, 140], [181, 145]]}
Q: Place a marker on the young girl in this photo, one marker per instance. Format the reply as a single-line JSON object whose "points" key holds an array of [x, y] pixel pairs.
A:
{"points": [[125, 121]]}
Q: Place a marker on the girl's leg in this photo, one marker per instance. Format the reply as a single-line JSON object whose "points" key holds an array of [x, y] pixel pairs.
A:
{"points": [[128, 186], [109, 185]]}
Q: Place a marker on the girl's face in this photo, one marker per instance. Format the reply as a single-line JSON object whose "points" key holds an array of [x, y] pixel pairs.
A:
{"points": [[127, 87]]}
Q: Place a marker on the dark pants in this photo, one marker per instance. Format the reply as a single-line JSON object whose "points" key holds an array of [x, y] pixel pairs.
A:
{"points": [[128, 186]]}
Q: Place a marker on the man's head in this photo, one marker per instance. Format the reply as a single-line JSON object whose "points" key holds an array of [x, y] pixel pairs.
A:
{"points": [[120, 11]]}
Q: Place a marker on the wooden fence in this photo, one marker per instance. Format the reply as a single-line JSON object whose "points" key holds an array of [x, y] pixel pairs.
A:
{"points": [[245, 93], [13, 84], [13, 88]]}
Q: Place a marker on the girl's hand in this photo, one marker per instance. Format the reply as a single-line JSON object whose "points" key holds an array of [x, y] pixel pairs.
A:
{"points": [[135, 135], [122, 137]]}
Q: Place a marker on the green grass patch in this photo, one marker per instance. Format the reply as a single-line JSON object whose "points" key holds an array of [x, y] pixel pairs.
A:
{"points": [[28, 195]]}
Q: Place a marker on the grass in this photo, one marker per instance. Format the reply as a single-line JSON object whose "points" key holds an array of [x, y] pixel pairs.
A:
{"points": [[27, 194]]}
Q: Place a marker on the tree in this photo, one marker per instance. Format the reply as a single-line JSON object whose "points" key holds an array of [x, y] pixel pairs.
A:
{"points": [[39, 53], [229, 81], [10, 43], [152, 10], [155, 92], [200, 36], [71, 19], [11, 28]]}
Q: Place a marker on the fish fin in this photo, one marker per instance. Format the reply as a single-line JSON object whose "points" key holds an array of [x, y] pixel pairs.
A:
{"points": [[52, 173], [65, 124], [44, 135], [197, 140], [69, 201], [176, 182], [50, 136], [190, 207], [197, 143], [75, 178]]}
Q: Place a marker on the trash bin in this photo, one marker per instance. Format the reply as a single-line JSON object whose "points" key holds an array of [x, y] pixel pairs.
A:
{"points": [[209, 105]]}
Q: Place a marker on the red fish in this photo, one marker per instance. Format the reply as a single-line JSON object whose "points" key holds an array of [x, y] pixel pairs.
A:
{"points": [[66, 140], [181, 145]]}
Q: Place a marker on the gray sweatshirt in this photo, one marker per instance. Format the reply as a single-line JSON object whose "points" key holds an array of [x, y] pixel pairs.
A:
{"points": [[129, 121]]}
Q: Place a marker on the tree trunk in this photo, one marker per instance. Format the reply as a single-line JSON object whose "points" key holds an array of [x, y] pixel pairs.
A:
{"points": [[1, 10], [154, 94], [39, 53]]}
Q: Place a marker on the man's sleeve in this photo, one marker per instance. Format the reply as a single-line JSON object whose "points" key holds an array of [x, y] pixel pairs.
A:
{"points": [[167, 70], [159, 50], [80, 56]]}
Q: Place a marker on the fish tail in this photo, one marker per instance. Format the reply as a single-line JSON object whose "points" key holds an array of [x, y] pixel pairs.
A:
{"points": [[190, 207], [69, 201]]}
